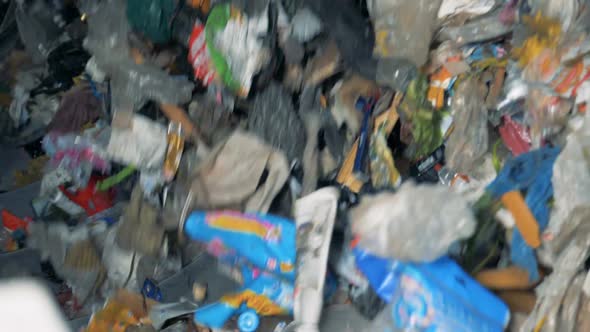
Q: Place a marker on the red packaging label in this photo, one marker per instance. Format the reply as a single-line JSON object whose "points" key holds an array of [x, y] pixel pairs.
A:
{"points": [[198, 55]]}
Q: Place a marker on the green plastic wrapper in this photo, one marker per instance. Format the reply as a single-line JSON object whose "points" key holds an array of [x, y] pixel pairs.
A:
{"points": [[216, 22]]}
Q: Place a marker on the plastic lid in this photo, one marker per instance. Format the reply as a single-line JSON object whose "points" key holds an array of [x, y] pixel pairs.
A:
{"points": [[248, 321]]}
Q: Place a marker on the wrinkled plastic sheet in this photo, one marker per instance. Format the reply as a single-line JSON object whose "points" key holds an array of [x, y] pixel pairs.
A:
{"points": [[132, 84], [403, 29], [566, 11], [481, 29], [469, 140], [143, 145], [396, 73], [37, 29], [572, 250], [545, 115], [571, 177], [305, 25], [53, 242], [385, 222], [454, 7]]}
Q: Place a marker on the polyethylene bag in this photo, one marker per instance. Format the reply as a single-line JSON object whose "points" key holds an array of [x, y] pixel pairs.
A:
{"points": [[403, 29], [143, 145], [418, 223], [469, 140], [132, 84], [571, 177], [546, 114], [486, 27], [566, 11]]}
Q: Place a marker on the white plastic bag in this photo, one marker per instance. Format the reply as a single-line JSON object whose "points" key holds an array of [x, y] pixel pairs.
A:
{"points": [[143, 145], [403, 29], [571, 177], [418, 223]]}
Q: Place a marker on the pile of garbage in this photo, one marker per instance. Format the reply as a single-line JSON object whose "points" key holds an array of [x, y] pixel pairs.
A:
{"points": [[292, 165]]}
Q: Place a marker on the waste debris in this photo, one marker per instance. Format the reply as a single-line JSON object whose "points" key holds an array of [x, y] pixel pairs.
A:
{"points": [[280, 165]]}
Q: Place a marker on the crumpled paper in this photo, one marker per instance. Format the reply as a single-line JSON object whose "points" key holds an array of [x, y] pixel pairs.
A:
{"points": [[418, 223]]}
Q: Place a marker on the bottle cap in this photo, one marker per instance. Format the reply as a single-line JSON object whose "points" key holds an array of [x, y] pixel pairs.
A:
{"points": [[248, 321]]}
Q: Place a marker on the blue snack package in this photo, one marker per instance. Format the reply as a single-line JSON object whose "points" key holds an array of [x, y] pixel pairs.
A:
{"points": [[437, 296], [266, 241]]}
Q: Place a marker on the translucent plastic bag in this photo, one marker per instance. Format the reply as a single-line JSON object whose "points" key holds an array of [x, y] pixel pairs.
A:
{"points": [[469, 140], [402, 227], [132, 83], [571, 177], [465, 7], [566, 11], [483, 28], [572, 248], [37, 28], [546, 114], [403, 29], [143, 145], [396, 73]]}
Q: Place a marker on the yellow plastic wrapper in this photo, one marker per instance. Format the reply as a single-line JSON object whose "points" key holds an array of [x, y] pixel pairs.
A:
{"points": [[121, 311]]}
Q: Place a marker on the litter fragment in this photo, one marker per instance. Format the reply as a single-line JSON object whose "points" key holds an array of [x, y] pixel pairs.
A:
{"points": [[371, 165]]}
